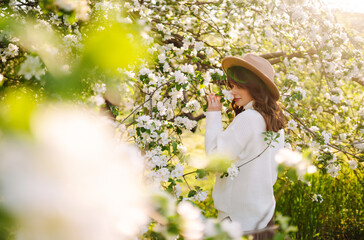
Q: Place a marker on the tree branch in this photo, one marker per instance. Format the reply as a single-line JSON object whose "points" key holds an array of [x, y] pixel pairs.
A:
{"points": [[315, 136], [278, 57]]}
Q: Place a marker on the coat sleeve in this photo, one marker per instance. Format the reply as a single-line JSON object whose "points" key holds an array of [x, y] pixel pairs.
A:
{"points": [[235, 138]]}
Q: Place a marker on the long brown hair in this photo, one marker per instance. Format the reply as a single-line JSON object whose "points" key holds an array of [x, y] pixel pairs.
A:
{"points": [[264, 101]]}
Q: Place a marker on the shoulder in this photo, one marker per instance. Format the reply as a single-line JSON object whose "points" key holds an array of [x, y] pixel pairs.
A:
{"points": [[251, 118], [249, 115]]}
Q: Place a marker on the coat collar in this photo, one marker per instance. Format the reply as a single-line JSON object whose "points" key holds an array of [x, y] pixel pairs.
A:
{"points": [[249, 105]]}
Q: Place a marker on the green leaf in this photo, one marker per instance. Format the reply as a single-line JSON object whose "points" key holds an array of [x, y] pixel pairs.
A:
{"points": [[192, 193], [174, 145], [201, 173], [178, 131]]}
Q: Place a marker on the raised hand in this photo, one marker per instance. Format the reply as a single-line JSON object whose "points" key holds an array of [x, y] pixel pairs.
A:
{"points": [[214, 103]]}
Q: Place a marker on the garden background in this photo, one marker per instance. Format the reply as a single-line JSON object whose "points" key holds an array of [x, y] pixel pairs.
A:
{"points": [[102, 116]]}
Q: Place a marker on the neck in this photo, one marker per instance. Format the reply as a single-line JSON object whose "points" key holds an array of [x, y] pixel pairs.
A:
{"points": [[249, 105]]}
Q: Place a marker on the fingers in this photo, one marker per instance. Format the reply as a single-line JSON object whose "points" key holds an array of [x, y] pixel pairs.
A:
{"points": [[214, 103], [208, 100], [213, 99]]}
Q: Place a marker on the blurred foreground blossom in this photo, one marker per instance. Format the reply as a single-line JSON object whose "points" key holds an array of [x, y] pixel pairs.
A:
{"points": [[73, 180], [80, 7], [295, 160], [192, 222], [232, 228], [214, 229]]}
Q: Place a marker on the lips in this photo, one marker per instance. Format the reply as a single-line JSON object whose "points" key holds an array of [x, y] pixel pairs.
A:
{"points": [[236, 99]]}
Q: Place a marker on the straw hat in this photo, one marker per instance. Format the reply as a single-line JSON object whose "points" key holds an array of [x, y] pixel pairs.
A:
{"points": [[258, 65]]}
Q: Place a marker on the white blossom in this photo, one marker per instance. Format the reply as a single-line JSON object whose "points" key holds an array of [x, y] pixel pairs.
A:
{"points": [[343, 136], [353, 164], [185, 122], [178, 171], [12, 50], [199, 46], [333, 169], [298, 14], [359, 145], [192, 106], [200, 196], [301, 91], [314, 128], [163, 174], [361, 112], [209, 52], [326, 136], [160, 27], [31, 67], [227, 95], [131, 132], [164, 139], [98, 100], [145, 71], [158, 160], [162, 58], [182, 149], [177, 190], [317, 198], [292, 77], [176, 94], [161, 109], [180, 77], [100, 88], [166, 67], [188, 68], [338, 118], [233, 171], [144, 121], [292, 125]]}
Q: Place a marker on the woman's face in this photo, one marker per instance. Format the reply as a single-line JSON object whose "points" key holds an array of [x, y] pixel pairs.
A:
{"points": [[241, 95]]}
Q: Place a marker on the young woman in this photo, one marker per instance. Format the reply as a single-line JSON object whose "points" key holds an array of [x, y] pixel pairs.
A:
{"points": [[248, 198]]}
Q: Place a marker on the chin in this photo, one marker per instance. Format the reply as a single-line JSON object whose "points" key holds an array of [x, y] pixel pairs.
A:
{"points": [[239, 104]]}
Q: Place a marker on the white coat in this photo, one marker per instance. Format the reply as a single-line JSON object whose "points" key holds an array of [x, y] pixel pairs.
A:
{"points": [[248, 198]]}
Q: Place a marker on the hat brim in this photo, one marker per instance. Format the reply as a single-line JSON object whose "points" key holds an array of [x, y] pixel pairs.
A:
{"points": [[228, 62]]}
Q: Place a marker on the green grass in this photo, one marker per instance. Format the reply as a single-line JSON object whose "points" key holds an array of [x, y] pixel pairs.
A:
{"points": [[340, 214]]}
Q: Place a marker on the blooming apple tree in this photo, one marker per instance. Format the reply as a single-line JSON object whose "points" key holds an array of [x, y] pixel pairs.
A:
{"points": [[150, 64]]}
